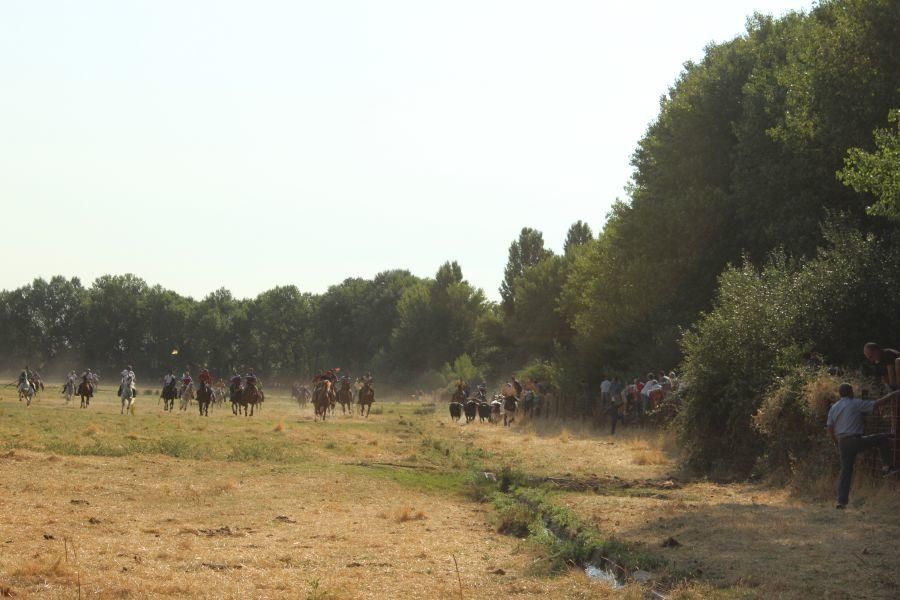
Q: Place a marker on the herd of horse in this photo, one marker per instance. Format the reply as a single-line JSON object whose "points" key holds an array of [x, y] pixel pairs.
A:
{"points": [[325, 398], [245, 399], [206, 395]]}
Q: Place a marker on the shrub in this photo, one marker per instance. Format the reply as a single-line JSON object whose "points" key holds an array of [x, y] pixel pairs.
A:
{"points": [[791, 421], [763, 323]]}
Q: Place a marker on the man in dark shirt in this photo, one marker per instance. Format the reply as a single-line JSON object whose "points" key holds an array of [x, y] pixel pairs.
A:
{"points": [[887, 363]]}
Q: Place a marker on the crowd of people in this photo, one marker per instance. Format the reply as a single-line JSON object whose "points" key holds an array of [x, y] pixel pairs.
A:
{"points": [[621, 401]]}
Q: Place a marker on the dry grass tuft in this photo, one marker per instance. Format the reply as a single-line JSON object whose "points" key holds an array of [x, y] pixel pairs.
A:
{"points": [[821, 393], [92, 430], [565, 436], [650, 457], [407, 513], [280, 427], [38, 570], [222, 487], [646, 451]]}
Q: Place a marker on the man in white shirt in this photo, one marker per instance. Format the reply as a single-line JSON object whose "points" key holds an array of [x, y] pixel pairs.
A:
{"points": [[604, 392], [845, 426]]}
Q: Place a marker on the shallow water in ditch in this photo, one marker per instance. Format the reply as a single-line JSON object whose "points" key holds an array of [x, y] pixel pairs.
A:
{"points": [[604, 576]]}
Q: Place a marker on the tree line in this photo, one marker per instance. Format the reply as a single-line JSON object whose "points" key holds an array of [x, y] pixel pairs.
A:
{"points": [[773, 164]]}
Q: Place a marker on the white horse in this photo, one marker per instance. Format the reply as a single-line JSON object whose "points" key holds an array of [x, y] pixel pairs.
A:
{"points": [[26, 392], [186, 394], [127, 395]]}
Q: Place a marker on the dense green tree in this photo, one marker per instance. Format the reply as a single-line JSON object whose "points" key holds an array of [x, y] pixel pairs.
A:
{"points": [[281, 321], [42, 320], [741, 160], [579, 234], [114, 325], [878, 173], [436, 323], [527, 251], [218, 336], [165, 314], [536, 325]]}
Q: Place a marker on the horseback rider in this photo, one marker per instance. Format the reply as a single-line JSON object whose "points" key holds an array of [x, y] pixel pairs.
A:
{"points": [[481, 392], [516, 385], [234, 384], [205, 379], [169, 380], [70, 381], [128, 378], [24, 377], [252, 381], [329, 375]]}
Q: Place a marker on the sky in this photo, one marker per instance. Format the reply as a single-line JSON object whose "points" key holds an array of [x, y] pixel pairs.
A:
{"points": [[241, 144]]}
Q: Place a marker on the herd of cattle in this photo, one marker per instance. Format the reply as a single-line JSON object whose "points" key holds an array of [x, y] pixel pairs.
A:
{"points": [[478, 406]]}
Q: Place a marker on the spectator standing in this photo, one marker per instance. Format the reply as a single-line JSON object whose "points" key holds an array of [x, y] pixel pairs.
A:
{"points": [[639, 397], [604, 392], [887, 364], [650, 386]]}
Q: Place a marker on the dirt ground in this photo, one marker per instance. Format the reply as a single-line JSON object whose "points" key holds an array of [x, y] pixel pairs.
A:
{"points": [[101, 505], [156, 526]]}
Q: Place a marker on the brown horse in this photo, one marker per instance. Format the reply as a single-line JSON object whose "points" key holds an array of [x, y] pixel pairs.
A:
{"points": [[345, 397], [237, 399], [366, 398], [323, 399], [205, 396], [510, 403], [86, 391], [252, 396]]}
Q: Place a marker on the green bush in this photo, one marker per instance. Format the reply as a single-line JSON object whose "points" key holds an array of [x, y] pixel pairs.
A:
{"points": [[763, 324]]}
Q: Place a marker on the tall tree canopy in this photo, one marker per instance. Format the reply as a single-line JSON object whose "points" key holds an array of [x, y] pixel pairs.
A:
{"points": [[527, 251]]}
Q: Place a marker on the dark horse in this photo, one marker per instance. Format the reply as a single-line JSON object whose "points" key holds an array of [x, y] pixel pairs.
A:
{"points": [[86, 391], [510, 403], [345, 397], [253, 397], [236, 394], [169, 393], [366, 398], [323, 399], [205, 396]]}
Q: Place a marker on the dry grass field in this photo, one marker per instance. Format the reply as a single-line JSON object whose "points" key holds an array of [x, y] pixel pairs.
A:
{"points": [[100, 505]]}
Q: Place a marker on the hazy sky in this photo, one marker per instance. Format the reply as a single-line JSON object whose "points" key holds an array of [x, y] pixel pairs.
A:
{"points": [[249, 144]]}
